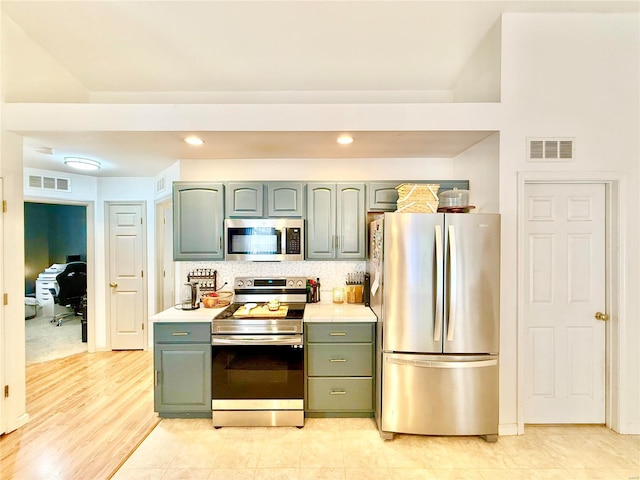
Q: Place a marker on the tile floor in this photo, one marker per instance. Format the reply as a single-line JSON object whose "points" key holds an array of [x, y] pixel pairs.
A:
{"points": [[351, 449]]}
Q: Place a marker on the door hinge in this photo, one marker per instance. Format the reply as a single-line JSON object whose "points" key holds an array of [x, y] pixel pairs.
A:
{"points": [[142, 273], [140, 221], [5, 298], [6, 391], [4, 206], [143, 326]]}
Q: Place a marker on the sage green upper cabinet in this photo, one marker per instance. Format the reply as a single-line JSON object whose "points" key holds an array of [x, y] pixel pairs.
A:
{"points": [[198, 221], [335, 221], [383, 196], [284, 199], [245, 199]]}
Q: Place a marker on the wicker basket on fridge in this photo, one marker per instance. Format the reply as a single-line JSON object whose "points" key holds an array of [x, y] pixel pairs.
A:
{"points": [[417, 198]]}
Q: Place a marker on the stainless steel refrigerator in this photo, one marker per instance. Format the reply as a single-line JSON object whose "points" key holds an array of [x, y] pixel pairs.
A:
{"points": [[435, 287]]}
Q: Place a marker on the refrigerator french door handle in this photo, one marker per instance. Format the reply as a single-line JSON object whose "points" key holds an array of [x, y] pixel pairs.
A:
{"points": [[437, 327], [453, 281]]}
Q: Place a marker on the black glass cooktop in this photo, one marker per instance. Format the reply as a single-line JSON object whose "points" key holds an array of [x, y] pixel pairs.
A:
{"points": [[294, 312]]}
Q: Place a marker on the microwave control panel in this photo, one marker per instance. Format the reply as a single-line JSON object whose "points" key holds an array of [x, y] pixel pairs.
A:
{"points": [[293, 240]]}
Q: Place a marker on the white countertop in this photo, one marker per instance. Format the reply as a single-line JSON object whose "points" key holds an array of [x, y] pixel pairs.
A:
{"points": [[175, 315], [313, 312], [338, 312]]}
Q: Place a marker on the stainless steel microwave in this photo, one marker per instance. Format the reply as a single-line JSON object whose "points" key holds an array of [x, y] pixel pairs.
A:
{"points": [[264, 239]]}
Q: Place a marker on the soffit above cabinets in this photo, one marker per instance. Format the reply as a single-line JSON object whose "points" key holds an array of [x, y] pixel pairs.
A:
{"points": [[148, 153]]}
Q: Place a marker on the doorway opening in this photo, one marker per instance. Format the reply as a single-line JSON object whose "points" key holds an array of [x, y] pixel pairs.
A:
{"points": [[55, 235]]}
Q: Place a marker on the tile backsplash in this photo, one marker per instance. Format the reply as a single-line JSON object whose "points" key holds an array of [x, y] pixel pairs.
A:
{"points": [[331, 274]]}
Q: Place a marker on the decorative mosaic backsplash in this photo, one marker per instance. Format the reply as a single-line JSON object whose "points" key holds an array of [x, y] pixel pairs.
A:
{"points": [[331, 274]]}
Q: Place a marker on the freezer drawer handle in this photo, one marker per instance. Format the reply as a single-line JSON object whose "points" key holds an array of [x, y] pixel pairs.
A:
{"points": [[437, 364]]}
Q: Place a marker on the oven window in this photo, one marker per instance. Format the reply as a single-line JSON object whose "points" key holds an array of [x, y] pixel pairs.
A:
{"points": [[257, 372], [258, 240]]}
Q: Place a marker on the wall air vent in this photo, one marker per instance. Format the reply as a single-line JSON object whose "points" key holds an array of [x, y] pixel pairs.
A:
{"points": [[161, 184], [550, 149], [41, 182]]}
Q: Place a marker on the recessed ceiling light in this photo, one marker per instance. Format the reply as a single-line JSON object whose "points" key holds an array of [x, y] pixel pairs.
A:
{"points": [[193, 140], [82, 163], [345, 139]]}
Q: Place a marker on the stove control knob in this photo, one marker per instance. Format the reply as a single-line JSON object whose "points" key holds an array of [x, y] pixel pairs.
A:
{"points": [[249, 282], [299, 283], [290, 283], [240, 283]]}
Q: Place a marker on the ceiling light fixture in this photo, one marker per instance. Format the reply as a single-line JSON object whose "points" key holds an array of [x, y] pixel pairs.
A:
{"points": [[193, 140], [82, 163], [345, 139]]}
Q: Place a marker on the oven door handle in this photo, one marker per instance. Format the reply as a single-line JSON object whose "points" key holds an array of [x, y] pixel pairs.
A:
{"points": [[256, 340]]}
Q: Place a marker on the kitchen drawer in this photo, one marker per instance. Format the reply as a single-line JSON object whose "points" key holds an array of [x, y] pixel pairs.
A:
{"points": [[340, 393], [339, 332], [344, 359], [180, 332]]}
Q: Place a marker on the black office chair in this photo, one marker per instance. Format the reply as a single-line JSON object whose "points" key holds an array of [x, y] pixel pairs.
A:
{"points": [[72, 289]]}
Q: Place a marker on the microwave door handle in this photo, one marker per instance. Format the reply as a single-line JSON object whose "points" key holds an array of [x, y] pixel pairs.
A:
{"points": [[437, 327]]}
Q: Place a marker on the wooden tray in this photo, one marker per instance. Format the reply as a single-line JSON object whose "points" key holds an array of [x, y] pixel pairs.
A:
{"points": [[261, 312]]}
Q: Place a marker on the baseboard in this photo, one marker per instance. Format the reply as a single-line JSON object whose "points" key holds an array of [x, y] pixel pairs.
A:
{"points": [[20, 421], [632, 429], [508, 429]]}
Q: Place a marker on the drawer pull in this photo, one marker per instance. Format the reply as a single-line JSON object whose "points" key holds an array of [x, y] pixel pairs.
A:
{"points": [[180, 334], [337, 392], [338, 360], [338, 334]]}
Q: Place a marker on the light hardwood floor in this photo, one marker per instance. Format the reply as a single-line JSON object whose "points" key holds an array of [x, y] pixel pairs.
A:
{"points": [[88, 412]]}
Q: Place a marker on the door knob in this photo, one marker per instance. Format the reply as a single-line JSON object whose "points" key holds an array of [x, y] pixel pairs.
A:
{"points": [[602, 316], [113, 284]]}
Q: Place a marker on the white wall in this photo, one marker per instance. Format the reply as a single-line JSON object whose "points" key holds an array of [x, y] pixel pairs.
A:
{"points": [[118, 189], [30, 74], [480, 79], [572, 76], [327, 170], [480, 165]]}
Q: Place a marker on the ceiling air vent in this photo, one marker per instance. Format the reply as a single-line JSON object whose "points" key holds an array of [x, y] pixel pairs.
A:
{"points": [[550, 149], [59, 184]]}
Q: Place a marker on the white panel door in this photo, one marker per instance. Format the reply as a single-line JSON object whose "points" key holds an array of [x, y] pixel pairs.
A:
{"points": [[564, 275], [3, 349], [126, 276], [168, 277]]}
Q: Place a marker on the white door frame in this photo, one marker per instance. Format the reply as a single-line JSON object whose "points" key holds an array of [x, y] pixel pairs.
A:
{"points": [[614, 255], [91, 261], [161, 245], [145, 283]]}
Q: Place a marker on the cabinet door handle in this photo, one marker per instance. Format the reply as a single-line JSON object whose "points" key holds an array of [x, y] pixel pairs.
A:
{"points": [[155, 378], [337, 334], [338, 360], [337, 392], [220, 243], [180, 334]]}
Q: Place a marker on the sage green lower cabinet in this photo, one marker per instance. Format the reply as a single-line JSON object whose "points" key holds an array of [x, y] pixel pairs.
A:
{"points": [[182, 369], [339, 369]]}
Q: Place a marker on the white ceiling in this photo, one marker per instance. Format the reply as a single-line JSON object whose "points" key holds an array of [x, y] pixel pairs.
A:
{"points": [[199, 49]]}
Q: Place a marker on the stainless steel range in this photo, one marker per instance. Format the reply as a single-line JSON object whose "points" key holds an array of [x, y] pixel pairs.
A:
{"points": [[258, 356]]}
